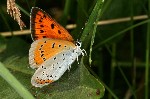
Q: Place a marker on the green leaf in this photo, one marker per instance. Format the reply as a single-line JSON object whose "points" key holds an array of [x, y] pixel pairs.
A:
{"points": [[5, 74], [15, 56], [78, 83], [90, 81]]}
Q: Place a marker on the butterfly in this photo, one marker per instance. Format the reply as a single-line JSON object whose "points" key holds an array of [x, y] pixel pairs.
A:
{"points": [[53, 50]]}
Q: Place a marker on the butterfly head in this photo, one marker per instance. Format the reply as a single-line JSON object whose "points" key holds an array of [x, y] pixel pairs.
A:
{"points": [[78, 44]]}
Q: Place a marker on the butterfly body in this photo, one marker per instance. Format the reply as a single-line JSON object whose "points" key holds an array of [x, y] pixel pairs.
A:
{"points": [[53, 50]]}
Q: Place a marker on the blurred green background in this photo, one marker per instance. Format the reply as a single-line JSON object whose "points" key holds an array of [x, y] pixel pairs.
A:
{"points": [[120, 50]]}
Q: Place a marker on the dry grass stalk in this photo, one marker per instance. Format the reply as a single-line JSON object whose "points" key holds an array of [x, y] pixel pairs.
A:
{"points": [[72, 26], [14, 11]]}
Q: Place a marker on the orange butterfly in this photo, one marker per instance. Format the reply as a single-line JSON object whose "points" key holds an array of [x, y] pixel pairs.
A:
{"points": [[52, 51]]}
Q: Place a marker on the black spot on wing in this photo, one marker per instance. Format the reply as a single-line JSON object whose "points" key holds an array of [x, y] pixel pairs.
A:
{"points": [[42, 55], [40, 20], [44, 16], [59, 32], [41, 31], [53, 45], [41, 25], [44, 59], [44, 36], [52, 26]]}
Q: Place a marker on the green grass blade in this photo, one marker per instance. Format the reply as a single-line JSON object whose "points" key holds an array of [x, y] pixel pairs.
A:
{"points": [[91, 21], [5, 20], [23, 92], [66, 12], [147, 57], [23, 10], [93, 34], [112, 70], [126, 80], [110, 91], [147, 60]]}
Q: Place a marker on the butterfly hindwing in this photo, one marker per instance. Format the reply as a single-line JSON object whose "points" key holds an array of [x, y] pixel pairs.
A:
{"points": [[52, 69], [43, 26], [46, 48]]}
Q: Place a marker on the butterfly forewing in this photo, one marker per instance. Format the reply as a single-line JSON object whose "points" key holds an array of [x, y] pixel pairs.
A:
{"points": [[43, 26]]}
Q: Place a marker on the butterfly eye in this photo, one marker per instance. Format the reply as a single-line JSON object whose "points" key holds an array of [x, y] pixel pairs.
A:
{"points": [[78, 44]]}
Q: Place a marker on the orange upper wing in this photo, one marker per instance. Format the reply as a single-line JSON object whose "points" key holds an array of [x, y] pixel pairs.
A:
{"points": [[43, 26]]}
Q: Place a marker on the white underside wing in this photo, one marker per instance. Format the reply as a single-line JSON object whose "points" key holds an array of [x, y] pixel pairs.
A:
{"points": [[53, 68]]}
